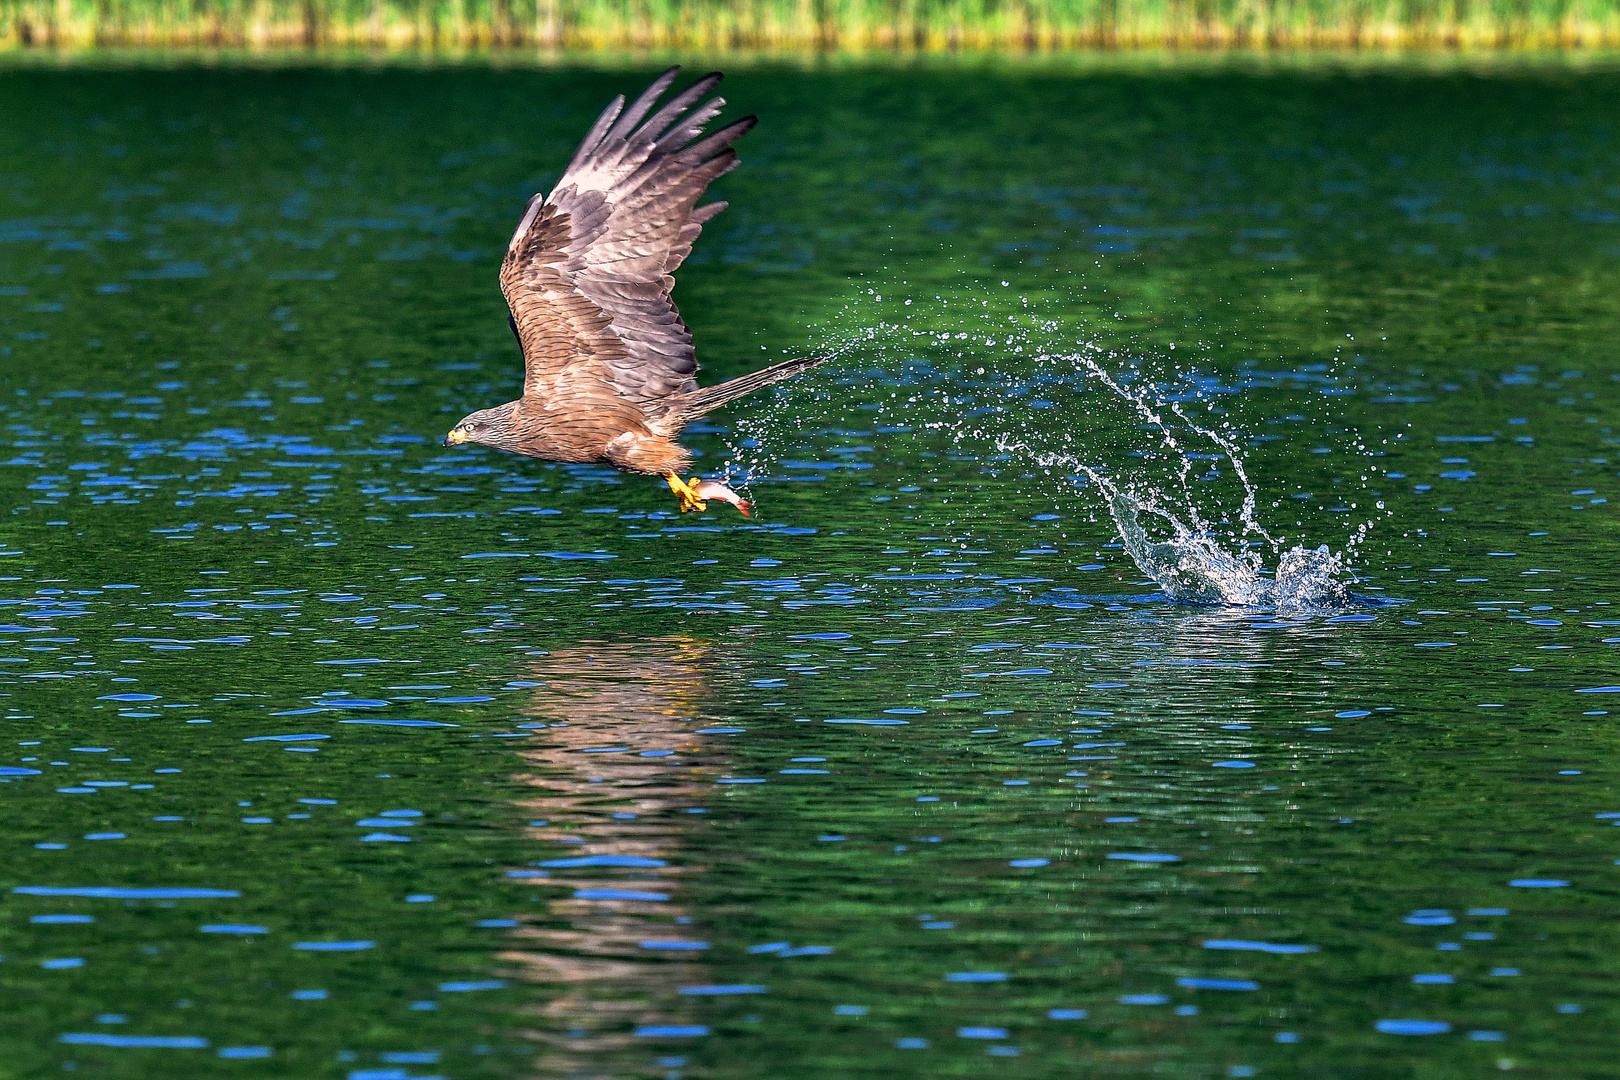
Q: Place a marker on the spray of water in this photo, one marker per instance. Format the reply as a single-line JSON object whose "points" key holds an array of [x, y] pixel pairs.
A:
{"points": [[1149, 441]]}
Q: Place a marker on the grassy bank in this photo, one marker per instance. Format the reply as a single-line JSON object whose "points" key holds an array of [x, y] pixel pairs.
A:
{"points": [[927, 25]]}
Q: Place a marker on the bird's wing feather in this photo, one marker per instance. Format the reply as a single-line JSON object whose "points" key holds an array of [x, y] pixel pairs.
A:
{"points": [[594, 259], [564, 336]]}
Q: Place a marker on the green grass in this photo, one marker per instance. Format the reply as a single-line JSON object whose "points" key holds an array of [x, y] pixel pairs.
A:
{"points": [[904, 25]]}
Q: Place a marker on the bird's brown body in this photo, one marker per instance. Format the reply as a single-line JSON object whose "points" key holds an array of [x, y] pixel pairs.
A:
{"points": [[609, 365]]}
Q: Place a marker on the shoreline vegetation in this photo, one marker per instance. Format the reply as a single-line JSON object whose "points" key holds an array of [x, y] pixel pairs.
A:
{"points": [[906, 26]]}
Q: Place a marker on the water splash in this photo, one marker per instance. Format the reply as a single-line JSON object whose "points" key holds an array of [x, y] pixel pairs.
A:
{"points": [[1192, 565], [1081, 418]]}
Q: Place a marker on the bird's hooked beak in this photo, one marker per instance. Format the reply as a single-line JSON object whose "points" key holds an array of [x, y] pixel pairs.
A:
{"points": [[456, 437]]}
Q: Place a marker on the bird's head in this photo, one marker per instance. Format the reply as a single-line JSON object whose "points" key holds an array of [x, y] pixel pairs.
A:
{"points": [[486, 427]]}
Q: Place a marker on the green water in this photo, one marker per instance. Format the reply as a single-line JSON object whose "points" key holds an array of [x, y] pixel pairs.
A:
{"points": [[239, 306]]}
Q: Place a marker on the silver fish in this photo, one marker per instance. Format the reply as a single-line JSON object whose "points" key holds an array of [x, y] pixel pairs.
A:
{"points": [[714, 489]]}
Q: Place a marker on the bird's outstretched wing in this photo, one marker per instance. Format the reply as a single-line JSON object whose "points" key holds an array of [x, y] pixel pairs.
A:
{"points": [[588, 273]]}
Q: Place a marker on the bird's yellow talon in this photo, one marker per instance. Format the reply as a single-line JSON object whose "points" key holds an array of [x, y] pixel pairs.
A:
{"points": [[687, 493]]}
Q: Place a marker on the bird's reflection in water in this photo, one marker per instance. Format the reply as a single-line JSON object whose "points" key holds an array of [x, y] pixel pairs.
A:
{"points": [[619, 771]]}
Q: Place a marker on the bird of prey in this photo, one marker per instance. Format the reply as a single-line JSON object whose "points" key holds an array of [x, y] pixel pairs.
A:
{"points": [[608, 364]]}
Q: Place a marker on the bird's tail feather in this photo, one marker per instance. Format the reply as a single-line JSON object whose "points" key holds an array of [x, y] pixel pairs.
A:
{"points": [[710, 398]]}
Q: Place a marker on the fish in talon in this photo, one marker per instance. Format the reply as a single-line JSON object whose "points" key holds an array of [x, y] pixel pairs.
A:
{"points": [[714, 489]]}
